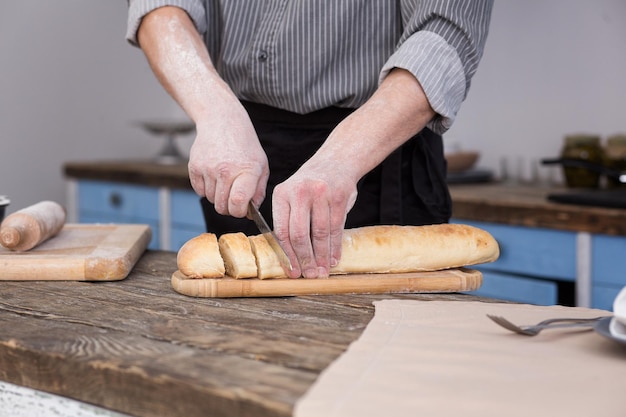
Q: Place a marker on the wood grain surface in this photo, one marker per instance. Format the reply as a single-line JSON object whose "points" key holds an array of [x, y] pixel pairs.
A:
{"points": [[138, 347], [451, 280], [91, 252]]}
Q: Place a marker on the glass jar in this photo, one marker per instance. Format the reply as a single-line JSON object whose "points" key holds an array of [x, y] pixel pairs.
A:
{"points": [[583, 148], [615, 158]]}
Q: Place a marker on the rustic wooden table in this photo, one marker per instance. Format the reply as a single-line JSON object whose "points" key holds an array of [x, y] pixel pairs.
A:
{"points": [[138, 347]]}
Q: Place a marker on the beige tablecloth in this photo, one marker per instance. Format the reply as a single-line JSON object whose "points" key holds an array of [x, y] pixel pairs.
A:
{"points": [[433, 358]]}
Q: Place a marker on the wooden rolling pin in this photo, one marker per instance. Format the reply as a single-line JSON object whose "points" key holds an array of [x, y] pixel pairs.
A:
{"points": [[31, 226]]}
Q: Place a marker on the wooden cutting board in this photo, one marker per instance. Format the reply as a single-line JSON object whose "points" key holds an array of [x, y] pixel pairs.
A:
{"points": [[79, 252], [451, 280]]}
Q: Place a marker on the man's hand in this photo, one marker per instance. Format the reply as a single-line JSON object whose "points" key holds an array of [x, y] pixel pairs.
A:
{"points": [[310, 208], [226, 162]]}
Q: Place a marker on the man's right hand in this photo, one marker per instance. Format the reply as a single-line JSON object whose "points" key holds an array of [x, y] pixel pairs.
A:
{"points": [[227, 163]]}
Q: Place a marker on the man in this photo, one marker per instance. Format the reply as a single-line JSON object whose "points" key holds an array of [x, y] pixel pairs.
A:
{"points": [[333, 108]]}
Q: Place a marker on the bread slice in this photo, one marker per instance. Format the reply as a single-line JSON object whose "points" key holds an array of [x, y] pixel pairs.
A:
{"points": [[236, 251], [267, 262], [200, 257]]}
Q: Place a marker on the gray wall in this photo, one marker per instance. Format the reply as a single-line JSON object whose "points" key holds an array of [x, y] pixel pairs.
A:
{"points": [[71, 87], [550, 68]]}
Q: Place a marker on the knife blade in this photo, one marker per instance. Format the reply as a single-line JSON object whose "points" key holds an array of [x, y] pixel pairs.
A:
{"points": [[269, 236]]}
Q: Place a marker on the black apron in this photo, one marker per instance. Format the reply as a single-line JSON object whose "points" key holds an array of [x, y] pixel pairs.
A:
{"points": [[408, 188]]}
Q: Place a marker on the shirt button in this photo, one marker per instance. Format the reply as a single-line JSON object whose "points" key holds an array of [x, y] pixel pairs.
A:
{"points": [[262, 56]]}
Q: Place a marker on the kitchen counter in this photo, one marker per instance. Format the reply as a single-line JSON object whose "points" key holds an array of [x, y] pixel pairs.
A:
{"points": [[524, 205], [137, 347], [140, 172]]}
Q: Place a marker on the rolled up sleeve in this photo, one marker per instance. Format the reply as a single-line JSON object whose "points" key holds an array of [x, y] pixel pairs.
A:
{"points": [[441, 45], [137, 9]]}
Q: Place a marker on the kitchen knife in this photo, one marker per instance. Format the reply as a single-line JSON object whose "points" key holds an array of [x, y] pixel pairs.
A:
{"points": [[269, 236]]}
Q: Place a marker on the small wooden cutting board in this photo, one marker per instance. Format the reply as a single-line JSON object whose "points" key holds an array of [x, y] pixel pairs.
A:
{"points": [[450, 280], [79, 252]]}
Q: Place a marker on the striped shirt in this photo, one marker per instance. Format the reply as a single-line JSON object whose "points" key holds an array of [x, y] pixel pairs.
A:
{"points": [[304, 55]]}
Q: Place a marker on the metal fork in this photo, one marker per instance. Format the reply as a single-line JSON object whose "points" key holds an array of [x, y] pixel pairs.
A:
{"points": [[550, 323]]}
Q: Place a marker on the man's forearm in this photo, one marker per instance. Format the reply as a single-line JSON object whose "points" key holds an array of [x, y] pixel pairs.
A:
{"points": [[181, 62], [397, 111], [226, 162]]}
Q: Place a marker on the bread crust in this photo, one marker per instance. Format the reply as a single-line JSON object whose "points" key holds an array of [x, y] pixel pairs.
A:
{"points": [[396, 249], [236, 251], [200, 257]]}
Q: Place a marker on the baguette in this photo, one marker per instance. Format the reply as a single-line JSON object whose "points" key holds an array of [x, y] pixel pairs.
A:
{"points": [[371, 249], [398, 249]]}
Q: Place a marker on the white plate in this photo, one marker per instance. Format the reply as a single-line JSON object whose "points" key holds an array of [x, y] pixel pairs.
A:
{"points": [[603, 327], [619, 307]]}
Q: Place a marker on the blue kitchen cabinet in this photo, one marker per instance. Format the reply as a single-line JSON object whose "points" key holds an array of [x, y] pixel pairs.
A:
{"points": [[174, 216], [608, 265], [536, 264], [532, 263], [187, 219], [520, 289], [103, 202]]}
